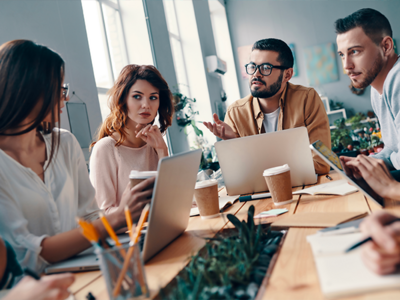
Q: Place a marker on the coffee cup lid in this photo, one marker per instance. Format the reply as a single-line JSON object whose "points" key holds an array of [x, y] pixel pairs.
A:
{"points": [[206, 183], [142, 174], [276, 170]]}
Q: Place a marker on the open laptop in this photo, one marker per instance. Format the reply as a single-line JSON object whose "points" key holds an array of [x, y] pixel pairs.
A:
{"points": [[243, 160], [333, 160], [169, 212]]}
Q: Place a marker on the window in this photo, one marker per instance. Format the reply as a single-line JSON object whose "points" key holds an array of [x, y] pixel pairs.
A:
{"points": [[224, 49], [107, 45]]}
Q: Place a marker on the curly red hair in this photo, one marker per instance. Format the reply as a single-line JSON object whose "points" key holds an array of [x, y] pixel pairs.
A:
{"points": [[116, 120]]}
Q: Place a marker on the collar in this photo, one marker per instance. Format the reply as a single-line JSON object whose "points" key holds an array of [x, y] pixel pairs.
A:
{"points": [[256, 105]]}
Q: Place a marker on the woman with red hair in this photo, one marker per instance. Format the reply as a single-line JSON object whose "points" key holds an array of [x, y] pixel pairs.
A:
{"points": [[128, 139]]}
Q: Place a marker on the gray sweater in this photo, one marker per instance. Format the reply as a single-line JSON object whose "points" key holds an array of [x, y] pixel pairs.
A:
{"points": [[387, 109]]}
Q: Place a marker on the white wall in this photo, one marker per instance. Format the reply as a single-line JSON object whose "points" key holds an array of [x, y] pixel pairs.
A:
{"points": [[58, 24], [304, 23]]}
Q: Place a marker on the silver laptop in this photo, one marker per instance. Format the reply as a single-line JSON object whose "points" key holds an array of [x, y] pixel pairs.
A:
{"points": [[243, 160], [169, 212]]}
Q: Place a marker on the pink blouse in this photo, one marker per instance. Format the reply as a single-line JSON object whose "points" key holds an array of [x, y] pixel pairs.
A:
{"points": [[110, 167]]}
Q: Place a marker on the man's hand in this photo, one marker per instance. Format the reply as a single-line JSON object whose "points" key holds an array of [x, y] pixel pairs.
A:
{"points": [[348, 169], [382, 255], [376, 174], [220, 129]]}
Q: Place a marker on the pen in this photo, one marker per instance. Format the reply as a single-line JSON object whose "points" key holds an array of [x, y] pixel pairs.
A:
{"points": [[327, 176], [368, 238], [254, 197]]}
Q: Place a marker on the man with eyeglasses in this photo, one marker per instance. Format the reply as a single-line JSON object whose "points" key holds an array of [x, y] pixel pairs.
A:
{"points": [[274, 103]]}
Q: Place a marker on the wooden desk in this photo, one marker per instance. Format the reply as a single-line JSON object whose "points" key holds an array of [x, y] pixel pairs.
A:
{"points": [[294, 275]]}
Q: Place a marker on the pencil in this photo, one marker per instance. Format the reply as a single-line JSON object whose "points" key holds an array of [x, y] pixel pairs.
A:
{"points": [[129, 221], [111, 232], [142, 220]]}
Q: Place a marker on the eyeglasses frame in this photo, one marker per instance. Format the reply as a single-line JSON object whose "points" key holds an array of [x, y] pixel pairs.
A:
{"points": [[65, 92], [263, 64]]}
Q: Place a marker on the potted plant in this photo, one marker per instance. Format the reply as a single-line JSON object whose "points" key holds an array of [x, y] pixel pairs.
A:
{"points": [[185, 112]]}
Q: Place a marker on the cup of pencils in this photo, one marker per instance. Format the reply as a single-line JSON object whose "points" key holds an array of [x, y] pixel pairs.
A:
{"points": [[133, 284], [121, 265]]}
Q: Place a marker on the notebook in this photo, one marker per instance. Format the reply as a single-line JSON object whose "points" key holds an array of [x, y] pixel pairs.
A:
{"points": [[337, 187], [317, 219], [344, 274]]}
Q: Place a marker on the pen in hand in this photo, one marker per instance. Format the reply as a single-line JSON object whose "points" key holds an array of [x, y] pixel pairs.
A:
{"points": [[356, 245]]}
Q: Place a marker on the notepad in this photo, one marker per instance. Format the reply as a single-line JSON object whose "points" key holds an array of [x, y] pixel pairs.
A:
{"points": [[224, 203], [337, 187], [344, 274], [271, 213], [318, 219]]}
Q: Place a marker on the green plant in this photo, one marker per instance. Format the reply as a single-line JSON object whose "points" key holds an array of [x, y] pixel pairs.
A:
{"points": [[340, 136], [355, 121], [185, 112], [230, 267], [335, 105]]}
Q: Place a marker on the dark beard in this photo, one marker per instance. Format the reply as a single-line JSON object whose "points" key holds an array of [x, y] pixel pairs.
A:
{"points": [[370, 76], [271, 91]]}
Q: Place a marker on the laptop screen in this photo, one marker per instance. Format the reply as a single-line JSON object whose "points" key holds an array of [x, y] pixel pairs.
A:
{"points": [[334, 161]]}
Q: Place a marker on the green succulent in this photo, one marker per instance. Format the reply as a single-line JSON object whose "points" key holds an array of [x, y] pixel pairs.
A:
{"points": [[227, 267]]}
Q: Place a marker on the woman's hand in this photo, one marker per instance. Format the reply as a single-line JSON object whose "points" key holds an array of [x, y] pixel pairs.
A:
{"points": [[152, 136], [382, 254], [135, 198], [53, 287], [377, 175]]}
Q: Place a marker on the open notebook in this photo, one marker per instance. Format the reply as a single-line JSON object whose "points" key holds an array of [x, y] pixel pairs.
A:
{"points": [[337, 187], [344, 274]]}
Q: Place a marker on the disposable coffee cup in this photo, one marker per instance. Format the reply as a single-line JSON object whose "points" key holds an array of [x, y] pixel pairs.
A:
{"points": [[206, 195], [136, 177], [279, 184]]}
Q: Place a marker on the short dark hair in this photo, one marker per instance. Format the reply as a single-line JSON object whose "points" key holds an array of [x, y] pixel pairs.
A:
{"points": [[374, 24], [285, 54]]}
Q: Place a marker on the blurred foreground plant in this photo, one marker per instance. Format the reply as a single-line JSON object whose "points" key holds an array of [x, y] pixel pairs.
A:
{"points": [[230, 267]]}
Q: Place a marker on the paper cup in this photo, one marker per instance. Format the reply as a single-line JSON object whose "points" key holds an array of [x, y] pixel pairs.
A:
{"points": [[136, 177], [206, 195], [279, 184]]}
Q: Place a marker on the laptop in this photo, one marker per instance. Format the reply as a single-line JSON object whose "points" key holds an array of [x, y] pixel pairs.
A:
{"points": [[333, 160], [169, 211], [243, 160]]}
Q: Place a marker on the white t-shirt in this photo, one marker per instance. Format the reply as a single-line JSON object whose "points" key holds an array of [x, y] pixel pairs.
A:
{"points": [[270, 121], [31, 210]]}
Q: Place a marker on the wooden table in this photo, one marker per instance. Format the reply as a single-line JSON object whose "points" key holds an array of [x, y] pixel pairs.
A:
{"points": [[294, 275]]}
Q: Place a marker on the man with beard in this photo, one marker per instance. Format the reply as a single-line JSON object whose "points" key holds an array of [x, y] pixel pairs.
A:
{"points": [[366, 47], [274, 103]]}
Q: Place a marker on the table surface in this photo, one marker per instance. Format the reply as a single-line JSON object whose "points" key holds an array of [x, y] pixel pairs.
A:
{"points": [[293, 276]]}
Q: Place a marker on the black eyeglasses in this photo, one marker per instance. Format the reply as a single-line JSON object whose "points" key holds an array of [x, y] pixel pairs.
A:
{"points": [[65, 90], [265, 68]]}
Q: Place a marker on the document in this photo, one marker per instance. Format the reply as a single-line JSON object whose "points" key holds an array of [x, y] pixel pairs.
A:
{"points": [[344, 274], [337, 187]]}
